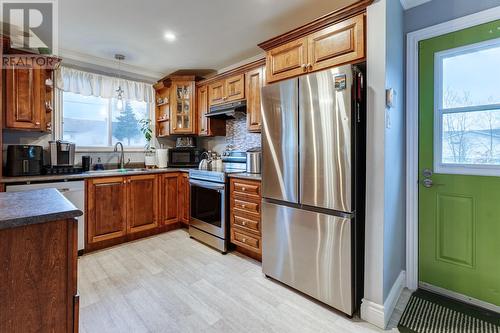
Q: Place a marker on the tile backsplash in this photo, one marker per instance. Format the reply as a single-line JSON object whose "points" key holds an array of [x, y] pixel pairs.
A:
{"points": [[237, 135]]}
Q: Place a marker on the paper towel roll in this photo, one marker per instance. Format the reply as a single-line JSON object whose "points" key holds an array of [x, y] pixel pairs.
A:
{"points": [[162, 158]]}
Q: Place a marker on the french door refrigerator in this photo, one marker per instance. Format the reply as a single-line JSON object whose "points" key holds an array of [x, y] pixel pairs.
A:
{"points": [[313, 179]]}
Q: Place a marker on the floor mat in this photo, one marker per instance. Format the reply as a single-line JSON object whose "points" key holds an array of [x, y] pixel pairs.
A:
{"points": [[430, 313]]}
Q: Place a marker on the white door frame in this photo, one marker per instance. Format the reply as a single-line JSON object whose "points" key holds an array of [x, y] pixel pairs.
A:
{"points": [[412, 97]]}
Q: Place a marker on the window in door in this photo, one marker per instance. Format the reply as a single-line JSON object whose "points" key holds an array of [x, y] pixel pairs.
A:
{"points": [[467, 110]]}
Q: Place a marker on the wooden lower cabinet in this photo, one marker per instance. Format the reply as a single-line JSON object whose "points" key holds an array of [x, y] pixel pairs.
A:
{"points": [[169, 198], [38, 292], [119, 209], [106, 210], [184, 198], [142, 203], [245, 216]]}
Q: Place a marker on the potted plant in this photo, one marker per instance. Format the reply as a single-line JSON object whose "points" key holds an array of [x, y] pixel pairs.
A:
{"points": [[147, 131]]}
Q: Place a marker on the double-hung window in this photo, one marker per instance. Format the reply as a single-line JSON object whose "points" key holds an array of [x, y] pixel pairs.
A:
{"points": [[467, 110]]}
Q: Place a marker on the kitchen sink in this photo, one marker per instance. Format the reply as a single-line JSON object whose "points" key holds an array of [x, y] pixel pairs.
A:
{"points": [[118, 170]]}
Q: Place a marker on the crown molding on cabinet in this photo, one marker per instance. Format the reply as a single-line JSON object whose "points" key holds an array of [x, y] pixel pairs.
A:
{"points": [[235, 71], [318, 24], [407, 4]]}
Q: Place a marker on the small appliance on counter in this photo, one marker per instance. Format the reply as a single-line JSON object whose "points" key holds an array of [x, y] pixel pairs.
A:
{"points": [[184, 157], [254, 160], [62, 153], [24, 160]]}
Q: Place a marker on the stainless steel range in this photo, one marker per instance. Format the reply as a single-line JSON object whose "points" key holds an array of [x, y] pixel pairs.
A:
{"points": [[209, 201]]}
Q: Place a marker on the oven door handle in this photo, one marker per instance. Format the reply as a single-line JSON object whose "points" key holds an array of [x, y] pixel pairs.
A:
{"points": [[208, 185]]}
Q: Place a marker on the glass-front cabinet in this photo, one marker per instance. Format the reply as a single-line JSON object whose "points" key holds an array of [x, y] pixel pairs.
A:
{"points": [[183, 109]]}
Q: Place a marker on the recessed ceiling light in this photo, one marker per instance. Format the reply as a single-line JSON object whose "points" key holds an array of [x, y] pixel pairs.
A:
{"points": [[170, 36]]}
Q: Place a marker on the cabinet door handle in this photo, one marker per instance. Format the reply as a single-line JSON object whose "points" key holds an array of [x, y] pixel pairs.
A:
{"points": [[244, 240], [37, 123], [243, 223], [124, 182], [304, 67], [243, 188], [309, 66], [243, 206]]}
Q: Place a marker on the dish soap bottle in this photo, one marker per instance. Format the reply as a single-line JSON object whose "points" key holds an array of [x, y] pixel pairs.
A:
{"points": [[99, 165]]}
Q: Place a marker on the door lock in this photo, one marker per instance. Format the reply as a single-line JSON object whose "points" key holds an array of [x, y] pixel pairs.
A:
{"points": [[427, 173]]}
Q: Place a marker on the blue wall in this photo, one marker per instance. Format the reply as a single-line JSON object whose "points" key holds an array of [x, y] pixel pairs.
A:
{"points": [[439, 11]]}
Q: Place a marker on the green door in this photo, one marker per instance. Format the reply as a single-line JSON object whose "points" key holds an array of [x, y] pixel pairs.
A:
{"points": [[459, 162]]}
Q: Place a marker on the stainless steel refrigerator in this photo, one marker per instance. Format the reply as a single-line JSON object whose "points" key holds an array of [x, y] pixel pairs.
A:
{"points": [[313, 179]]}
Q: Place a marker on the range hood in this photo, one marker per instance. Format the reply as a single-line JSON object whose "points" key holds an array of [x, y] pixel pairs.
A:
{"points": [[227, 111]]}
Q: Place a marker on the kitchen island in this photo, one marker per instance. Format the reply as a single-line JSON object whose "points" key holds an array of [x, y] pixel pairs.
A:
{"points": [[38, 255]]}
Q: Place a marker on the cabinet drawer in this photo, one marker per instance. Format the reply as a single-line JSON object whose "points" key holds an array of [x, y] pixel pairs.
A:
{"points": [[244, 240], [251, 207], [245, 222], [245, 188]]}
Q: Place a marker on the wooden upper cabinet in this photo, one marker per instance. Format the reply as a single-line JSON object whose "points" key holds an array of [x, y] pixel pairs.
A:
{"points": [[182, 104], [227, 90], [207, 126], [142, 203], [169, 198], [254, 81], [216, 92], [24, 98], [336, 45], [234, 88], [202, 105], [106, 209], [287, 60]]}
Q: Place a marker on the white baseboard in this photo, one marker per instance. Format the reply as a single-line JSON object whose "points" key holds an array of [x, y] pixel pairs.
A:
{"points": [[379, 315]]}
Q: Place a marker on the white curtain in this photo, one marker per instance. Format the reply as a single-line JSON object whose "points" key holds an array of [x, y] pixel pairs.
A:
{"points": [[91, 84]]}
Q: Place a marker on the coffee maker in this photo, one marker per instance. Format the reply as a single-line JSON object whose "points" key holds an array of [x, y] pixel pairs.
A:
{"points": [[62, 153]]}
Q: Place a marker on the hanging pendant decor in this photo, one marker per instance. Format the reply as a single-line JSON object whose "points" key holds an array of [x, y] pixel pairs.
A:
{"points": [[119, 91]]}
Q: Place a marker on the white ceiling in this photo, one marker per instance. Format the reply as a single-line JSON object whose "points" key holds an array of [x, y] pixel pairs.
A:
{"points": [[211, 34]]}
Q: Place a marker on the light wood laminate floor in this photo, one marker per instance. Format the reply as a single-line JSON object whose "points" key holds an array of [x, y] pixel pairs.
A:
{"points": [[171, 283]]}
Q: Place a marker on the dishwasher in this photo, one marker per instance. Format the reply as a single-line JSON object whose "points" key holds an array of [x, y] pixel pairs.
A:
{"points": [[74, 191]]}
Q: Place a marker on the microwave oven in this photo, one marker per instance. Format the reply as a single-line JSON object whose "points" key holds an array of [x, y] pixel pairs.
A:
{"points": [[184, 157]]}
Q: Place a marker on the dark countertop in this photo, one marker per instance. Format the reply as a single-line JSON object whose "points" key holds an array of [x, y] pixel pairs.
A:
{"points": [[18, 209], [85, 175], [246, 175]]}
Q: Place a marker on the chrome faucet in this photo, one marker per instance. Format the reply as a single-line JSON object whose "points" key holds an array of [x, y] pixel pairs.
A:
{"points": [[121, 159]]}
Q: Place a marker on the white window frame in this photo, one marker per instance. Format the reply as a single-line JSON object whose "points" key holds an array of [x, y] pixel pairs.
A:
{"points": [[58, 128], [439, 111]]}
